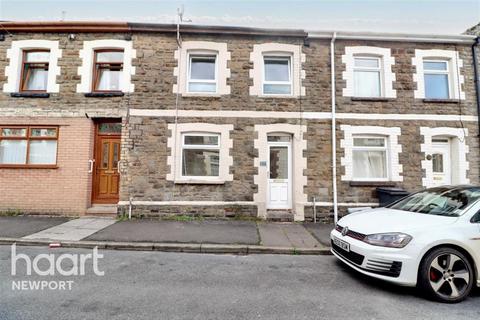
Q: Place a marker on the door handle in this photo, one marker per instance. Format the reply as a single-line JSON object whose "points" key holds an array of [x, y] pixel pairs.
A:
{"points": [[90, 170]]}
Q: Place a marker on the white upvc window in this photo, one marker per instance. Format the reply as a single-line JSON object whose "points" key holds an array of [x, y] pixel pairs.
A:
{"points": [[370, 158], [367, 73], [202, 73], [436, 74], [200, 155], [277, 75]]}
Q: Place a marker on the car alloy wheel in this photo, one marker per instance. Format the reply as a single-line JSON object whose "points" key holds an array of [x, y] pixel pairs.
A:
{"points": [[447, 275]]}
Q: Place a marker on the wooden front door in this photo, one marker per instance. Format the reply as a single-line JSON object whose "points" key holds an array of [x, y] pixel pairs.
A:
{"points": [[106, 179]]}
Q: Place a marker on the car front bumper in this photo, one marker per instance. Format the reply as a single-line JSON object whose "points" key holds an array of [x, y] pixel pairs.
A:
{"points": [[399, 266]]}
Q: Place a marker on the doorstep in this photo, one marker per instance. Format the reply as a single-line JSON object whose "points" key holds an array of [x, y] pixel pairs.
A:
{"points": [[103, 210]]}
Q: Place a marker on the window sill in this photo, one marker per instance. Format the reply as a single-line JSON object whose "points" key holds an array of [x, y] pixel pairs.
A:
{"points": [[199, 181], [454, 101], [372, 99], [277, 96], [201, 95], [104, 94], [30, 95], [21, 166], [372, 184]]}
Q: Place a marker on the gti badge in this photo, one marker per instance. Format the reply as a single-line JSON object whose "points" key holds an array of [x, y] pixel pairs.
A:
{"points": [[344, 231]]}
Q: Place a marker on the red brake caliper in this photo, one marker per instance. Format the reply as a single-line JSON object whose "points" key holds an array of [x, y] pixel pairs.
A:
{"points": [[433, 276]]}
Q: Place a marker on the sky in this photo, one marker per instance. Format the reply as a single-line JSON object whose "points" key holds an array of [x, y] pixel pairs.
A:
{"points": [[412, 16]]}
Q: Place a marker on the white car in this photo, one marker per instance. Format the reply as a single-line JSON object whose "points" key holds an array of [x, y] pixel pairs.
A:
{"points": [[430, 239]]}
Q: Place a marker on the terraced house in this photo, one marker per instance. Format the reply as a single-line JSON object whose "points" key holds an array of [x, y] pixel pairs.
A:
{"points": [[225, 121]]}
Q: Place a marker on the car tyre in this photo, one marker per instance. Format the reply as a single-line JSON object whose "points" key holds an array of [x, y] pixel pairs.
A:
{"points": [[446, 275]]}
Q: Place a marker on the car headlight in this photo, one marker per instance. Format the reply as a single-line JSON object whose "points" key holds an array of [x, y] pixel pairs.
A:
{"points": [[392, 240]]}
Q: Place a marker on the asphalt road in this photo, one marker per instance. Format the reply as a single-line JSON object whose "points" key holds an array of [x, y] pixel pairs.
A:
{"points": [[155, 285]]}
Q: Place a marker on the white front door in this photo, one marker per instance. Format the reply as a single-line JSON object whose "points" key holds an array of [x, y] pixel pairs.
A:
{"points": [[279, 172], [441, 162]]}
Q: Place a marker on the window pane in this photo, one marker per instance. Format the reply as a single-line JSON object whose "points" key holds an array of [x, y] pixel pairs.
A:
{"points": [[202, 140], [109, 80], [366, 62], [436, 86], [43, 132], [36, 78], [14, 132], [200, 163], [437, 163], [13, 151], [202, 87], [367, 83], [43, 152], [435, 65], [110, 128], [277, 89], [202, 68], [37, 56], [110, 56], [278, 138], [278, 163], [369, 142], [277, 70], [369, 164]]}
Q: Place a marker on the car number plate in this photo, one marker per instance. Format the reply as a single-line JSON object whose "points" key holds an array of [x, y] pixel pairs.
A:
{"points": [[342, 244]]}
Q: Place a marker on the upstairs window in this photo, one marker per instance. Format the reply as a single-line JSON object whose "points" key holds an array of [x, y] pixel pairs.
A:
{"points": [[202, 75], [369, 158], [367, 77], [107, 70], [34, 76], [277, 75], [200, 155], [436, 77], [28, 146]]}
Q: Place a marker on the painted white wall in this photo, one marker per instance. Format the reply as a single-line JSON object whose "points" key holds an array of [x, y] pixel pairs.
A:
{"points": [[299, 165], [174, 159], [181, 70], [393, 147], [15, 55], [456, 78], [388, 76], [85, 71], [459, 151], [298, 58]]}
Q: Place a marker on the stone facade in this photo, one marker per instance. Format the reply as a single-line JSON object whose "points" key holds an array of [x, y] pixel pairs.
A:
{"points": [[153, 106]]}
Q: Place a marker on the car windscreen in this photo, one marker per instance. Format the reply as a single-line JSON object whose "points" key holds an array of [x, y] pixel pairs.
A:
{"points": [[439, 201]]}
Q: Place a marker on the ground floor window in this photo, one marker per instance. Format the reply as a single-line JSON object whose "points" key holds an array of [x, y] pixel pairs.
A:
{"points": [[28, 146], [369, 158], [200, 155]]}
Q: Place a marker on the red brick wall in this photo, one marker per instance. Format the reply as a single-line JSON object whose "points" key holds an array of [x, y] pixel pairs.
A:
{"points": [[65, 190]]}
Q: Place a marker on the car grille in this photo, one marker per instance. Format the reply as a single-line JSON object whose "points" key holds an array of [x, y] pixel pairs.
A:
{"points": [[384, 267], [349, 255], [351, 233]]}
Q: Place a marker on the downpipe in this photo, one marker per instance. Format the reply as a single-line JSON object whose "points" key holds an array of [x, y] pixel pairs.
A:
{"points": [[334, 129], [477, 78]]}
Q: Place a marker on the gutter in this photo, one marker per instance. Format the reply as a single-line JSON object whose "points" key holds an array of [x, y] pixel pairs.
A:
{"points": [[334, 127], [475, 54]]}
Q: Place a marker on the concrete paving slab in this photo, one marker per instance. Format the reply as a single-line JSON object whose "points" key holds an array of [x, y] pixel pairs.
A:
{"points": [[20, 226], [286, 235], [320, 231], [73, 230], [206, 231]]}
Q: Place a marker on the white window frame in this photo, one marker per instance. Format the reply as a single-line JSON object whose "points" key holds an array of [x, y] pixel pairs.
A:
{"points": [[456, 81], [297, 60], [278, 57], [379, 69], [394, 168], [448, 72], [387, 76], [14, 69], [201, 147], [194, 54], [85, 71], [384, 148], [175, 144]]}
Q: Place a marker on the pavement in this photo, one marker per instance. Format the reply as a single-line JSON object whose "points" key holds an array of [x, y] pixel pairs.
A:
{"points": [[161, 285], [197, 236]]}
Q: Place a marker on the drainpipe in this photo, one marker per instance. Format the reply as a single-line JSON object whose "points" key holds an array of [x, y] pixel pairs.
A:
{"points": [[334, 129], [477, 77]]}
